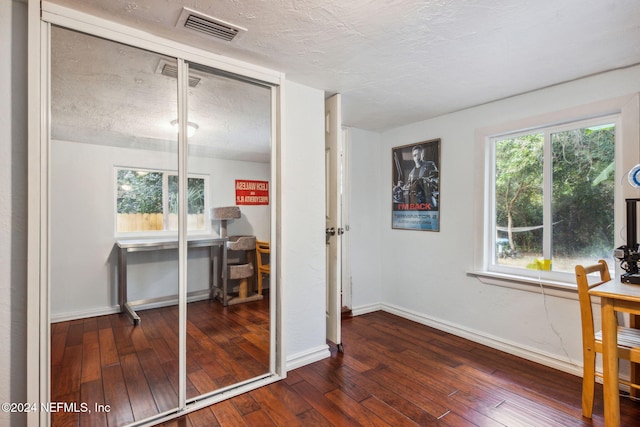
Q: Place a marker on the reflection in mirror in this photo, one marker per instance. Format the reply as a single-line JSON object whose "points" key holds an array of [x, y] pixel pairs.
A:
{"points": [[228, 337], [114, 269], [113, 153]]}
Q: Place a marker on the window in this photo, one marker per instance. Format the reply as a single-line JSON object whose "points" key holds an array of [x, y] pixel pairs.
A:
{"points": [[147, 200], [552, 198]]}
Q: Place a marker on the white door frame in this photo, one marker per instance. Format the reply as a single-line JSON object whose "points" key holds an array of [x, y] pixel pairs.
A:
{"points": [[333, 224], [346, 209]]}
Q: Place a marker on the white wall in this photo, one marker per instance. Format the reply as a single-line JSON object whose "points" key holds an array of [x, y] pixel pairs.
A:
{"points": [[13, 206], [424, 274], [365, 219], [303, 223]]}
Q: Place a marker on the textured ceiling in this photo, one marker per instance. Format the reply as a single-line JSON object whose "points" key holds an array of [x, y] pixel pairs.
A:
{"points": [[400, 61], [107, 93]]}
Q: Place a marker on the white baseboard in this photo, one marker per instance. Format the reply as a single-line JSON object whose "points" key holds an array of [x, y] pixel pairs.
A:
{"points": [[529, 353], [364, 309], [316, 354], [137, 305], [63, 317], [312, 355]]}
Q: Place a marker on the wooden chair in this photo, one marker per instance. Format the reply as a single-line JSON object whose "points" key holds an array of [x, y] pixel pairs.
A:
{"points": [[262, 249], [628, 338]]}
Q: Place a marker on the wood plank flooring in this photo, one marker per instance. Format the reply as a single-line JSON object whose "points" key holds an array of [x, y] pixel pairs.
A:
{"points": [[395, 372], [134, 369]]}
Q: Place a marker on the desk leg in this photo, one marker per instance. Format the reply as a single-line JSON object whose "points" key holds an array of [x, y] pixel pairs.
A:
{"points": [[132, 313], [122, 287], [212, 271], [122, 278], [610, 364]]}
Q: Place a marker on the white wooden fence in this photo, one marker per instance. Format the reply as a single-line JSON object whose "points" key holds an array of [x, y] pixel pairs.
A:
{"points": [[149, 222]]}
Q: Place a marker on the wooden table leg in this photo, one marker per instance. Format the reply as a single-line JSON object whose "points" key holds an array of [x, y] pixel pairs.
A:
{"points": [[610, 364], [634, 374]]}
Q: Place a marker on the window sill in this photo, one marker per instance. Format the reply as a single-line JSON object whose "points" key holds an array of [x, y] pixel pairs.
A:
{"points": [[161, 234], [528, 284]]}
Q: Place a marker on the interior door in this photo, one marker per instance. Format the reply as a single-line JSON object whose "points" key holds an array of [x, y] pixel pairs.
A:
{"points": [[334, 230]]}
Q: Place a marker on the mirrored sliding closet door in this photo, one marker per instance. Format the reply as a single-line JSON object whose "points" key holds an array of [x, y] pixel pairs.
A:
{"points": [[159, 189]]}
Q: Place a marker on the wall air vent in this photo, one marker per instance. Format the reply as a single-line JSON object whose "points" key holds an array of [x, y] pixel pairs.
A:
{"points": [[170, 69], [208, 25]]}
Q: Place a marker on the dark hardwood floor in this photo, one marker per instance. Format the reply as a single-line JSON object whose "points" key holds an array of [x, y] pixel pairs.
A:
{"points": [[395, 372], [134, 369]]}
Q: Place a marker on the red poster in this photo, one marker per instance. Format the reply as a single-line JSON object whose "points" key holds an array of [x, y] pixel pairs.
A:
{"points": [[252, 192]]}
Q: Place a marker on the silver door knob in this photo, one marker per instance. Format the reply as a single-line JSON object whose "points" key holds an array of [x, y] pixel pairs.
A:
{"points": [[330, 232]]}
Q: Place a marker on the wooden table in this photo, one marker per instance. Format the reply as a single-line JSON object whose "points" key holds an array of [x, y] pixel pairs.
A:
{"points": [[615, 296]]}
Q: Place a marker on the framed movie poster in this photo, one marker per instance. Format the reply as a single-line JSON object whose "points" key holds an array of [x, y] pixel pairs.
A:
{"points": [[416, 186]]}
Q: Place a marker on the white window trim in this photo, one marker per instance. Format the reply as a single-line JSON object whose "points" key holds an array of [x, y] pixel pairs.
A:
{"points": [[546, 132], [164, 232], [627, 155]]}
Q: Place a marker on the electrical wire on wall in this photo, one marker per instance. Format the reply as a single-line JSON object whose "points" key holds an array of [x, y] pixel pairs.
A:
{"points": [[553, 328]]}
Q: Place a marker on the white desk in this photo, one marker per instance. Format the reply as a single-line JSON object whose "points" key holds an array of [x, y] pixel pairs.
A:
{"points": [[155, 244]]}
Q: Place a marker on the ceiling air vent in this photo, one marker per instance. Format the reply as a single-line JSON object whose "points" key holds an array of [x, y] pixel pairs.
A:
{"points": [[170, 69], [208, 25]]}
